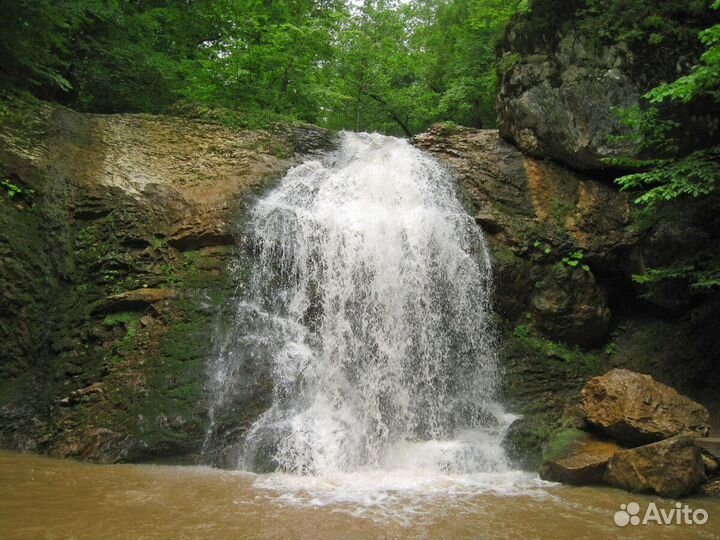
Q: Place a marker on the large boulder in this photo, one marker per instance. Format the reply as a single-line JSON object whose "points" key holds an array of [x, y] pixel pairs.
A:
{"points": [[635, 409], [568, 305], [583, 461], [559, 104], [669, 468]]}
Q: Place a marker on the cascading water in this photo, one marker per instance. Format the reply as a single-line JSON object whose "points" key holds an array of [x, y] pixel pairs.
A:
{"points": [[368, 308]]}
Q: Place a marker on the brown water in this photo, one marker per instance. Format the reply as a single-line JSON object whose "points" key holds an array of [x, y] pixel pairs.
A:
{"points": [[41, 498]]}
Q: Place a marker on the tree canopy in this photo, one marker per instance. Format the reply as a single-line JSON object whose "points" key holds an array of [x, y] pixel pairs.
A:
{"points": [[383, 65]]}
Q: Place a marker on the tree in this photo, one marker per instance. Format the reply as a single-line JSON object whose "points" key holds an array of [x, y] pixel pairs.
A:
{"points": [[674, 175]]}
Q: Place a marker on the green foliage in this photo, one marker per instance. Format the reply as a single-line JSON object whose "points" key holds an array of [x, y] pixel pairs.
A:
{"points": [[703, 80], [611, 349], [10, 188], [560, 442], [379, 65], [400, 67], [701, 272], [36, 35], [641, 23], [18, 193], [493, 14], [555, 350], [694, 175], [540, 250], [673, 175], [271, 57], [574, 259], [123, 317]]}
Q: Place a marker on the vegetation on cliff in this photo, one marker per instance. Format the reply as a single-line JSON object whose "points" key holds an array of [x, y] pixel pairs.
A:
{"points": [[676, 170]]}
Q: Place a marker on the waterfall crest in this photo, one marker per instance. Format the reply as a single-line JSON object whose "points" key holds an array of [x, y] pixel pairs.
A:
{"points": [[368, 308]]}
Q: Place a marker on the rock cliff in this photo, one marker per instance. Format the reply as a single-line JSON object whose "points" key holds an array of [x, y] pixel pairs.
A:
{"points": [[565, 247], [115, 234], [568, 65]]}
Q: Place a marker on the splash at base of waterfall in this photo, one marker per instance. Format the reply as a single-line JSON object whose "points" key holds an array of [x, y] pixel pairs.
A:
{"points": [[368, 310], [414, 479]]}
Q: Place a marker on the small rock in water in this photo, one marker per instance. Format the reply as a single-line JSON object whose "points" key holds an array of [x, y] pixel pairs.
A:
{"points": [[710, 463], [711, 489], [583, 462]]}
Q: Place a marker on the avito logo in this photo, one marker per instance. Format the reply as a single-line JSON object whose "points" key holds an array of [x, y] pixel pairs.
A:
{"points": [[629, 514]]}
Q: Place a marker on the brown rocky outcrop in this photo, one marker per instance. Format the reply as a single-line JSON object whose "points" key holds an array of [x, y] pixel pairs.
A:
{"points": [[670, 468], [536, 215], [635, 409]]}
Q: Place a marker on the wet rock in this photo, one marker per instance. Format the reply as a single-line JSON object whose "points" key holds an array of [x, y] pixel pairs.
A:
{"points": [[199, 231], [582, 462], [568, 305], [636, 409], [669, 468], [113, 272], [523, 442], [535, 213], [136, 300], [711, 488], [77, 395]]}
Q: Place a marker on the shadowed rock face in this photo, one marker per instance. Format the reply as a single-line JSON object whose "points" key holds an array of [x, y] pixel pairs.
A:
{"points": [[565, 323], [536, 214], [568, 305], [564, 75], [558, 104], [636, 409], [112, 268], [670, 468]]}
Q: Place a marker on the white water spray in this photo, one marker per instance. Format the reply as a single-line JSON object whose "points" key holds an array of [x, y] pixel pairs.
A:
{"points": [[368, 305]]}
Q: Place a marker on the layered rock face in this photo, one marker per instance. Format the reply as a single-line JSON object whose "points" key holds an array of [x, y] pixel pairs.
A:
{"points": [[113, 265], [564, 249], [550, 230], [571, 305]]}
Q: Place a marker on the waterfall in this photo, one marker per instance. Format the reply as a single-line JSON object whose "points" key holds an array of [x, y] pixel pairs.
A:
{"points": [[366, 319]]}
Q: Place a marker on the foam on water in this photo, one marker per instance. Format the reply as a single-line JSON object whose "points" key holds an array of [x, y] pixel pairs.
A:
{"points": [[369, 307]]}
